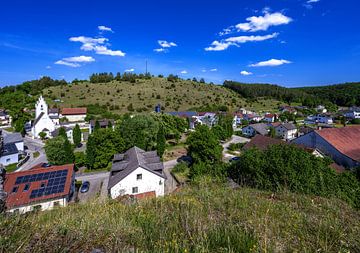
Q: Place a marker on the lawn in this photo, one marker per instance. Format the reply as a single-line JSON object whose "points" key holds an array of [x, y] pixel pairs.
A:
{"points": [[11, 167]]}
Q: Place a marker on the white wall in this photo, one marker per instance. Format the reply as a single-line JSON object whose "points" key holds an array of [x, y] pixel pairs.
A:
{"points": [[149, 182], [75, 118], [9, 159], [20, 146], [48, 205]]}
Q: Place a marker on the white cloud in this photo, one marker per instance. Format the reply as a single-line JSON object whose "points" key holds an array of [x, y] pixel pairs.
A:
{"points": [[129, 70], [245, 73], [105, 29], [184, 72], [203, 70], [235, 41], [165, 44], [160, 50], [81, 58], [270, 63], [213, 70], [69, 64], [75, 61], [262, 23], [48, 67], [312, 1], [97, 45]]}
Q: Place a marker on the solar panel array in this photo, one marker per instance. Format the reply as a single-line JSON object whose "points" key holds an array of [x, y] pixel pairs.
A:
{"points": [[55, 182]]}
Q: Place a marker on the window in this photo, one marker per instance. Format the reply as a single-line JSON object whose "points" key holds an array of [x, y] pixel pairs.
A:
{"points": [[56, 203], [138, 176], [8, 160], [42, 185], [14, 190], [37, 208], [135, 190], [26, 188]]}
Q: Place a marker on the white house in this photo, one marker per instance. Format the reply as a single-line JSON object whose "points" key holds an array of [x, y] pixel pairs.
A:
{"points": [[43, 121], [39, 188], [286, 131], [74, 114], [5, 119], [353, 113], [269, 117], [321, 109], [238, 117], [253, 117], [103, 123], [319, 118], [136, 173], [68, 131], [15, 138], [253, 129], [9, 154]]}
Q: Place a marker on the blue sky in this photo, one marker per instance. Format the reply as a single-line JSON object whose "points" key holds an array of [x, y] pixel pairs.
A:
{"points": [[287, 42]]}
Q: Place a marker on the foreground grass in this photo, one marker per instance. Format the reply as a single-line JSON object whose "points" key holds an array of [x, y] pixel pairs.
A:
{"points": [[201, 218]]}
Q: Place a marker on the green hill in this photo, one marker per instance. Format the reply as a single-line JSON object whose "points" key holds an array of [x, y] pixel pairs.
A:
{"points": [[144, 94], [206, 217]]}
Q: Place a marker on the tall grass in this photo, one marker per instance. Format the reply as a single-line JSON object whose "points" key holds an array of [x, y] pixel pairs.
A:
{"points": [[206, 217]]}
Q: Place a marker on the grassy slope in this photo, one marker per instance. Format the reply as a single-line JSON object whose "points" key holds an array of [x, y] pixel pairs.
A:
{"points": [[198, 219], [181, 95]]}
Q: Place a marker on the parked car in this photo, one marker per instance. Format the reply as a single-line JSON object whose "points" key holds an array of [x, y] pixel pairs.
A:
{"points": [[46, 165], [85, 187], [235, 159]]}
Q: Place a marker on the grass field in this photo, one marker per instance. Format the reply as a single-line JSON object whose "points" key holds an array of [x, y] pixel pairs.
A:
{"points": [[145, 94], [206, 217]]}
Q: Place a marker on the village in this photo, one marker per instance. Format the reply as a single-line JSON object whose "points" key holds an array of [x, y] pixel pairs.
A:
{"points": [[32, 183]]}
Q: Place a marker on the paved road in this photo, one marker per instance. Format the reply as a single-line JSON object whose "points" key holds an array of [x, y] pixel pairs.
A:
{"points": [[34, 146], [170, 183], [234, 139], [98, 186]]}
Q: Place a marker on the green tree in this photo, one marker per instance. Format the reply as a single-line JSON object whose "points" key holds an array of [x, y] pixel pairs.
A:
{"points": [[97, 125], [205, 150], [42, 135], [226, 122], [161, 141], [59, 151], [272, 132], [62, 132], [102, 145], [140, 131], [77, 135]]}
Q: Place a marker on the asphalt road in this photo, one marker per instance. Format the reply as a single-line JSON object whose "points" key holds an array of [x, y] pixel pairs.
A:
{"points": [[34, 146], [234, 139]]}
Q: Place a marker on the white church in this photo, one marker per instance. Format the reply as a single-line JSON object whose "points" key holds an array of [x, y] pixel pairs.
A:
{"points": [[44, 121]]}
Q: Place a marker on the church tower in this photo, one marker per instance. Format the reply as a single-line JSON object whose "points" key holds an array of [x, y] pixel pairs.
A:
{"points": [[40, 107]]}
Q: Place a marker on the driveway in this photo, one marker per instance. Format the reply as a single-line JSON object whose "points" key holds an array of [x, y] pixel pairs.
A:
{"points": [[98, 186], [33, 147], [170, 184], [234, 139]]}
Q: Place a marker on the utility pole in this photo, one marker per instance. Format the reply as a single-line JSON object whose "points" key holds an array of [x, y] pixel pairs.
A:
{"points": [[146, 71]]}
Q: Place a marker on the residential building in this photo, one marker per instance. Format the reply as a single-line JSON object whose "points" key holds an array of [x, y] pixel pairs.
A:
{"points": [[74, 114], [189, 115], [39, 188], [319, 118], [43, 122], [286, 108], [238, 117], [341, 144], [287, 131], [68, 131], [9, 154], [136, 172], [206, 118], [15, 138], [353, 113], [269, 117], [103, 123], [253, 117], [321, 109], [253, 129], [5, 119]]}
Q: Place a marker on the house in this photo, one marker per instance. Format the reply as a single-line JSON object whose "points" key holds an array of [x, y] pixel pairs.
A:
{"points": [[5, 119], [321, 109], [253, 117], [136, 172], [269, 117], [353, 113], [264, 142], [319, 118], [289, 109], [43, 122], [253, 129], [103, 123], [238, 117], [189, 115], [68, 131], [341, 144], [206, 118], [286, 131], [39, 188], [15, 138], [9, 154], [74, 114]]}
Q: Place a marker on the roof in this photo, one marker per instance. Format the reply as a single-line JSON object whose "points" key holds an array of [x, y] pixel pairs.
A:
{"points": [[345, 140], [58, 181], [269, 115], [13, 138], [288, 126], [9, 149], [3, 113], [38, 118], [74, 111], [260, 128], [187, 114], [55, 133], [275, 124], [124, 164], [262, 142], [102, 122], [54, 110]]}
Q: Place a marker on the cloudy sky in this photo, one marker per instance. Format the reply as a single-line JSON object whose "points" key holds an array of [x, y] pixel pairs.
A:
{"points": [[287, 42]]}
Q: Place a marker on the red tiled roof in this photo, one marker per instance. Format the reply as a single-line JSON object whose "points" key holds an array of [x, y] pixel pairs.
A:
{"points": [[239, 114], [275, 124], [346, 140], [269, 115], [21, 197], [73, 111]]}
